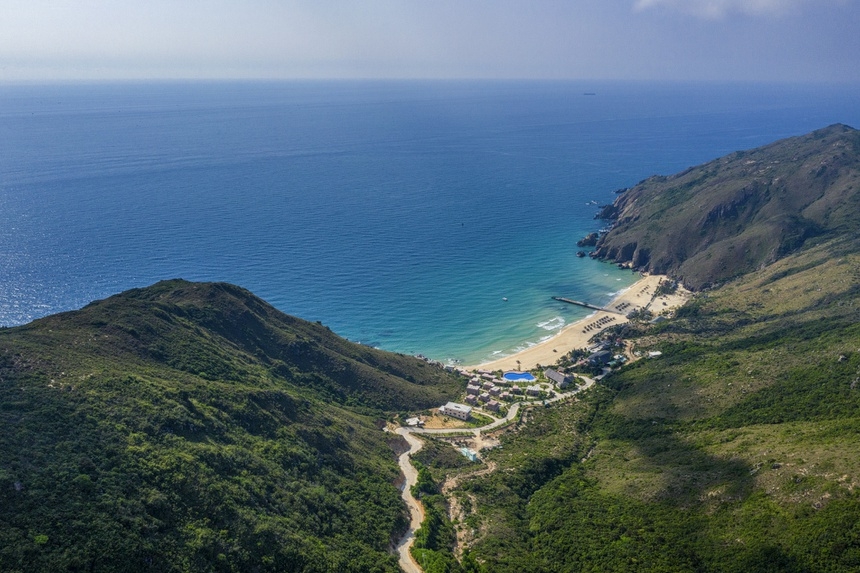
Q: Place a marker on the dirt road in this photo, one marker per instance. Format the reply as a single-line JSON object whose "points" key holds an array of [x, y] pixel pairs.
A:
{"points": [[416, 511]]}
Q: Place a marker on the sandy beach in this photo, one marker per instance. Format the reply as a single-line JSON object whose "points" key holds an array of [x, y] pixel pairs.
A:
{"points": [[639, 295]]}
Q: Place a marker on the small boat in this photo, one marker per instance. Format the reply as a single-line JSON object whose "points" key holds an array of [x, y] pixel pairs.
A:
{"points": [[504, 298]]}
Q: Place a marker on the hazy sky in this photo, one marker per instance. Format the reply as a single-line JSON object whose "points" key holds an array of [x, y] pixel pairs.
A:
{"points": [[794, 40]]}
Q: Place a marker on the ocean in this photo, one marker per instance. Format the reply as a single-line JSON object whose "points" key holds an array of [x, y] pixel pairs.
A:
{"points": [[431, 217]]}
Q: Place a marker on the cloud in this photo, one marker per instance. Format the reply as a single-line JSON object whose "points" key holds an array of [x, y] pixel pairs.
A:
{"points": [[718, 9]]}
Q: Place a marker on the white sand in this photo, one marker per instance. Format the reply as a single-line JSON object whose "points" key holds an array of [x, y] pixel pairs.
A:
{"points": [[639, 295]]}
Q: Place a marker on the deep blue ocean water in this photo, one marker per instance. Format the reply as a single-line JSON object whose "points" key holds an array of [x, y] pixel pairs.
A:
{"points": [[400, 214]]}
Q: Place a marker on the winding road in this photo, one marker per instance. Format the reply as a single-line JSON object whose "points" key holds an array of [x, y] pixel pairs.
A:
{"points": [[416, 511]]}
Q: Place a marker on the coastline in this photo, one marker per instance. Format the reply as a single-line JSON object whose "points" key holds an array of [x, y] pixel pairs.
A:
{"points": [[640, 294]]}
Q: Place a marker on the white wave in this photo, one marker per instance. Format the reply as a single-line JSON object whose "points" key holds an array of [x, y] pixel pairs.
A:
{"points": [[552, 324]]}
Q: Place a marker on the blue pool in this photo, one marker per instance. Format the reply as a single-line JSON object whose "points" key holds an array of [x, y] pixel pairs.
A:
{"points": [[516, 376]]}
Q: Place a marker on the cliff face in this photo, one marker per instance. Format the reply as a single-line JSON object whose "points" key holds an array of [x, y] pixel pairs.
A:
{"points": [[740, 212]]}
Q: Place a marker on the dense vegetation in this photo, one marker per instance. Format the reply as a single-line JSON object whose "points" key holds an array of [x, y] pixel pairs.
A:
{"points": [[192, 427], [734, 214], [735, 451], [434, 540]]}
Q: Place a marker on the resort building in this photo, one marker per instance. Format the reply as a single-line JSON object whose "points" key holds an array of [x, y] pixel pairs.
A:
{"points": [[455, 410], [473, 389], [487, 385], [600, 358], [495, 391], [493, 406], [561, 380], [471, 399], [485, 397], [533, 390]]}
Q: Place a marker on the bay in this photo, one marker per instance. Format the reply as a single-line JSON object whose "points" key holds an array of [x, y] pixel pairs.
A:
{"points": [[399, 213]]}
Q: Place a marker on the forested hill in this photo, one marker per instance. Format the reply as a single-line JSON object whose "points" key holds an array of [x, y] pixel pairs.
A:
{"points": [[734, 446], [734, 214], [193, 427]]}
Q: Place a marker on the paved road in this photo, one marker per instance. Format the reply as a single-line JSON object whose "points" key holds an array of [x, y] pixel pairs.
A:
{"points": [[416, 511]]}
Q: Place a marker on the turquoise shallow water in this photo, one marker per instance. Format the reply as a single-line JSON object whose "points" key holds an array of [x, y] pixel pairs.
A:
{"points": [[400, 214]]}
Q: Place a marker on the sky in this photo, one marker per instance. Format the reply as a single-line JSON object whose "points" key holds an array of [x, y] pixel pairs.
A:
{"points": [[708, 40]]}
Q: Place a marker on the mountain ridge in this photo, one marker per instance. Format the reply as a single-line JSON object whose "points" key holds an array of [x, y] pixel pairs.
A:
{"points": [[735, 214], [193, 427]]}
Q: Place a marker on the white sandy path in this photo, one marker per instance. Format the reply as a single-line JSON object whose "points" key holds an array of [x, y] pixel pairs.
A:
{"points": [[416, 511], [639, 295]]}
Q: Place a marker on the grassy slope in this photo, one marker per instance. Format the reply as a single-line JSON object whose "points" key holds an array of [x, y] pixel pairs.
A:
{"points": [[735, 451], [734, 214], [192, 427]]}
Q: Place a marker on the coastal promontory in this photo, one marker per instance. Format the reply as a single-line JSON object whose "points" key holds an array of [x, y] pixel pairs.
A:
{"points": [[740, 212]]}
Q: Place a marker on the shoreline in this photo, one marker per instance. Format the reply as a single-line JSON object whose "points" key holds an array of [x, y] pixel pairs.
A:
{"points": [[576, 335]]}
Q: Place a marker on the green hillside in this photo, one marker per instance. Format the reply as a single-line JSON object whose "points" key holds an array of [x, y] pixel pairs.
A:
{"points": [[193, 427], [734, 214], [738, 449]]}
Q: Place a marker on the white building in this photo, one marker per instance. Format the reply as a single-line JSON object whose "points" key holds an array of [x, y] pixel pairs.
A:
{"points": [[455, 410]]}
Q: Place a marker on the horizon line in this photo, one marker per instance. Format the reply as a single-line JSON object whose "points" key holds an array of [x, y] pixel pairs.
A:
{"points": [[407, 79]]}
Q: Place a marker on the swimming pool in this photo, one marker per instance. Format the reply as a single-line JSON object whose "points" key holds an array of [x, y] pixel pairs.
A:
{"points": [[517, 376]]}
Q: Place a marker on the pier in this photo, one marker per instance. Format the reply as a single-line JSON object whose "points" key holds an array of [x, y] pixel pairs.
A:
{"points": [[586, 305]]}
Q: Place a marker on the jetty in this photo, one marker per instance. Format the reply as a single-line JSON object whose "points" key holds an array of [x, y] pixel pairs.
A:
{"points": [[587, 305]]}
